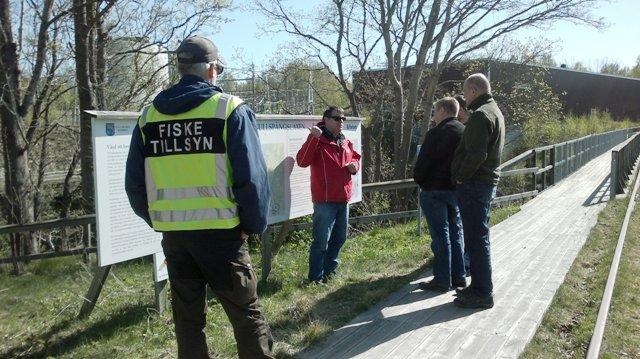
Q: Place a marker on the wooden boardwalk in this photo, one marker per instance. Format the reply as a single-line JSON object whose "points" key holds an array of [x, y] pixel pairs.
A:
{"points": [[531, 253]]}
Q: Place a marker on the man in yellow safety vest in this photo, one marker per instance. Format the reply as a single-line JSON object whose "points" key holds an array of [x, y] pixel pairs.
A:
{"points": [[196, 173]]}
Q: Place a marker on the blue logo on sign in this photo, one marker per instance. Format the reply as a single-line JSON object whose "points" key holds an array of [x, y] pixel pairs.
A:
{"points": [[111, 129]]}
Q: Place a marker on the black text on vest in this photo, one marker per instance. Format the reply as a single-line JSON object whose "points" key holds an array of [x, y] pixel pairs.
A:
{"points": [[181, 137]]}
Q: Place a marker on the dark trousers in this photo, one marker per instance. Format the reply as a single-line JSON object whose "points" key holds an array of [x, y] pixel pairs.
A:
{"points": [[443, 217], [474, 199], [225, 266]]}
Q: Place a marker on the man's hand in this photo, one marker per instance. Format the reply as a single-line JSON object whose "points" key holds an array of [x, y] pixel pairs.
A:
{"points": [[316, 131], [244, 236], [352, 167]]}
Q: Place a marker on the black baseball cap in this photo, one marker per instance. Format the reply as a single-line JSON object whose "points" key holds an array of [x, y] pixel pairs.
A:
{"points": [[197, 49]]}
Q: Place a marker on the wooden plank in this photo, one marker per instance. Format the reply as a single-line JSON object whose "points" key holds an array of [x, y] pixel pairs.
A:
{"points": [[544, 148], [413, 312], [31, 257], [519, 158], [370, 340], [339, 342], [408, 345], [430, 343], [514, 197], [544, 169], [530, 284], [519, 171], [451, 345], [480, 345], [161, 300], [52, 224], [389, 185], [99, 277]]}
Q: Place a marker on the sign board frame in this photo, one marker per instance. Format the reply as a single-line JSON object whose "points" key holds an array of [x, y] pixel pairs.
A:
{"points": [[123, 236]]}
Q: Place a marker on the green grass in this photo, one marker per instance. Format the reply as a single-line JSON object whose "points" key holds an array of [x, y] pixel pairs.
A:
{"points": [[569, 322], [39, 308], [622, 332]]}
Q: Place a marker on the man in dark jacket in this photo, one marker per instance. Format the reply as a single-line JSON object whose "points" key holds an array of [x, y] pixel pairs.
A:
{"points": [[475, 173], [333, 161], [196, 173], [432, 173]]}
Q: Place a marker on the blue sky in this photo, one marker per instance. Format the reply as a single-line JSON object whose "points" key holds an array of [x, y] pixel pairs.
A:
{"points": [[619, 42]]}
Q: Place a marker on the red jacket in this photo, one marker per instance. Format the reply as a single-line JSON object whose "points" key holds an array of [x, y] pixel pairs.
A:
{"points": [[330, 178]]}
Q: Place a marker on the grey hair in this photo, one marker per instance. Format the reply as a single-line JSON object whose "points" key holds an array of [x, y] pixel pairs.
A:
{"points": [[480, 82], [200, 69]]}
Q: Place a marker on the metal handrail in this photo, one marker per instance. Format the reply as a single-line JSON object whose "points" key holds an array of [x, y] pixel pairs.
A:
{"points": [[623, 159]]}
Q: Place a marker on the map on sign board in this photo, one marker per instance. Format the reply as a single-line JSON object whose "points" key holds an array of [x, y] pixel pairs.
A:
{"points": [[281, 138]]}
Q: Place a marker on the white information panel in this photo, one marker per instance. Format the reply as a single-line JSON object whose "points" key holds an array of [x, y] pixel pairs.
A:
{"points": [[281, 138], [121, 234], [124, 236]]}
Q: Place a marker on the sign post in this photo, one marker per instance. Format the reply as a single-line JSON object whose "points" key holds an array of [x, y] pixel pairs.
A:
{"points": [[121, 235]]}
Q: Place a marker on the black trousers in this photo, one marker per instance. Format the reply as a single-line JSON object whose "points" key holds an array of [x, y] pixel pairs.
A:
{"points": [[225, 265]]}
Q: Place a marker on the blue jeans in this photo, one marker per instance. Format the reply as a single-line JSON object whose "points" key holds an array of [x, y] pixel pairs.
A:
{"points": [[475, 205], [441, 210], [329, 234]]}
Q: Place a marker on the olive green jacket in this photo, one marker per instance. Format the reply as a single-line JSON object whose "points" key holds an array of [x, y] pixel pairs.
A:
{"points": [[479, 153]]}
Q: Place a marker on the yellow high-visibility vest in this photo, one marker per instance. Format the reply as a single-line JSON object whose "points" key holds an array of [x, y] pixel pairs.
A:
{"points": [[187, 171]]}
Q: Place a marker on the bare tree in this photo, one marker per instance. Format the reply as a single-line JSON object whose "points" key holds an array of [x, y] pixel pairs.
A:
{"points": [[145, 28], [19, 92], [339, 41], [419, 39]]}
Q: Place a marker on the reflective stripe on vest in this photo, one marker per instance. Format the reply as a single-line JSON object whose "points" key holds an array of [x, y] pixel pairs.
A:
{"points": [[187, 172]]}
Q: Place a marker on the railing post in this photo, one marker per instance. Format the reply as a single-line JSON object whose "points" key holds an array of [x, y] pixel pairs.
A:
{"points": [[565, 160], [614, 175], [531, 163], [552, 160], [579, 153], [544, 165], [574, 156]]}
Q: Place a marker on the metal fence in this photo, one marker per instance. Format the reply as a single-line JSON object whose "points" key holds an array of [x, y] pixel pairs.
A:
{"points": [[571, 155], [623, 159], [548, 165]]}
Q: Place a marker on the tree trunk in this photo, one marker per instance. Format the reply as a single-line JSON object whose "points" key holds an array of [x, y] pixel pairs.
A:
{"points": [[86, 99], [65, 201], [18, 189], [42, 168], [398, 133]]}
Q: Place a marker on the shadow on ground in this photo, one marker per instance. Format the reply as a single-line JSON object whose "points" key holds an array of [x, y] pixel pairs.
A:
{"points": [[54, 342]]}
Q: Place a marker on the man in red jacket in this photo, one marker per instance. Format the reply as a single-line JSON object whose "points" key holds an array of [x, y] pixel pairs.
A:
{"points": [[333, 161]]}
